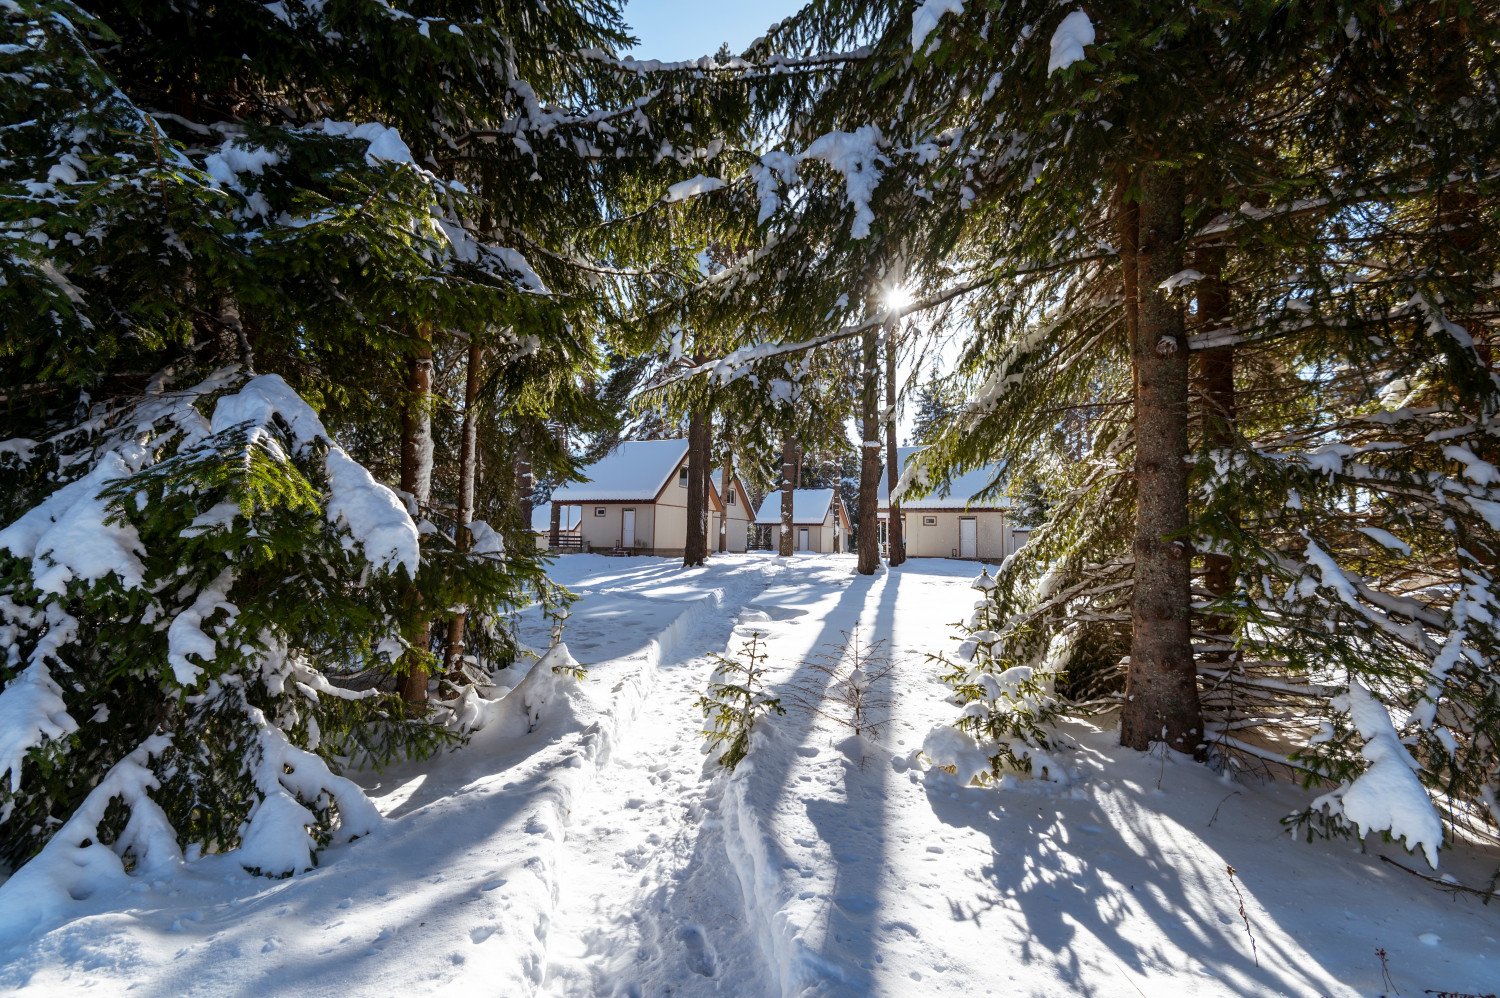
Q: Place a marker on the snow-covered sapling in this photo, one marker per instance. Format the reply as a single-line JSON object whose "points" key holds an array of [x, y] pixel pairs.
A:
{"points": [[736, 699], [845, 685]]}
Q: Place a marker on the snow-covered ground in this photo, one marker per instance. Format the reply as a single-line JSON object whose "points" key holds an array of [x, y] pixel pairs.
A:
{"points": [[602, 853]]}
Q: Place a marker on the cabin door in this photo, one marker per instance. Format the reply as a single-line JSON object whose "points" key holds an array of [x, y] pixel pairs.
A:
{"points": [[802, 535], [968, 537], [627, 529]]}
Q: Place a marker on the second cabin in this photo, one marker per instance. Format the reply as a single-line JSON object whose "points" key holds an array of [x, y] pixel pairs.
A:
{"points": [[635, 502], [819, 520]]}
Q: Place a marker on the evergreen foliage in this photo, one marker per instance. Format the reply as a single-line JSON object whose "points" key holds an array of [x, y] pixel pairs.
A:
{"points": [[735, 700], [232, 232], [1332, 176]]}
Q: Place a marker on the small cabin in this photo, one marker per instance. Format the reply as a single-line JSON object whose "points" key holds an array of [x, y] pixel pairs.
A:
{"points": [[949, 523], [819, 521], [635, 500]]}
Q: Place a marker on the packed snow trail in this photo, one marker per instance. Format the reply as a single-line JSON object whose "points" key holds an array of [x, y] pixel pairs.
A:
{"points": [[457, 890], [649, 900], [592, 852]]}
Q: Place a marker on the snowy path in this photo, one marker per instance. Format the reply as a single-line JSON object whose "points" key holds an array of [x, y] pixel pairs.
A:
{"points": [[458, 889], [649, 904], [599, 853]]}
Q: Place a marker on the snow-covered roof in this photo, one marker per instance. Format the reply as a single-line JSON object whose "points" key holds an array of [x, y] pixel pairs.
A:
{"points": [[955, 496], [809, 506], [634, 471], [718, 477], [567, 517]]}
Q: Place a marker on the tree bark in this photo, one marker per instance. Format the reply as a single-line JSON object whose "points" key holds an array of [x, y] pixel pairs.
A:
{"points": [[869, 453], [895, 529], [706, 462], [416, 481], [1161, 690], [694, 550], [727, 490], [788, 474], [554, 523], [468, 456], [525, 485]]}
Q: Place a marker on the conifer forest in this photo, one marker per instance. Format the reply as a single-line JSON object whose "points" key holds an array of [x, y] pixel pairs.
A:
{"points": [[913, 498]]}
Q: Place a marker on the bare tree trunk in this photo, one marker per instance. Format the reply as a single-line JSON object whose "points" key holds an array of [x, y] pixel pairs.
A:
{"points": [[468, 456], [895, 529], [694, 550], [788, 475], [525, 484], [1216, 385], [416, 481], [1161, 689], [554, 523], [869, 453], [706, 462], [727, 490]]}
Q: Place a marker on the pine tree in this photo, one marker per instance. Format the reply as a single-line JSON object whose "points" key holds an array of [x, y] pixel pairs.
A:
{"points": [[249, 248], [1056, 177]]}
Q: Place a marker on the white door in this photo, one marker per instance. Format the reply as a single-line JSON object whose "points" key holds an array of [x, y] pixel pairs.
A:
{"points": [[968, 537], [627, 529], [801, 538]]}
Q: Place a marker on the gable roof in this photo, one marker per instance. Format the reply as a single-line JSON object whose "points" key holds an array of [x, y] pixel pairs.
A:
{"points": [[723, 498], [955, 496], [567, 517], [809, 507], [635, 471]]}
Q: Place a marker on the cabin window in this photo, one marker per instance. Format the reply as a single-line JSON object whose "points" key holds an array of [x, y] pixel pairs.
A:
{"points": [[732, 500], [598, 510], [929, 521], [682, 477]]}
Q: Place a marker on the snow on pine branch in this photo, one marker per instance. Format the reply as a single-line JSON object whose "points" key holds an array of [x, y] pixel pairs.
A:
{"points": [[374, 517], [32, 713], [69, 535], [275, 840], [1069, 40], [75, 864], [925, 18], [691, 188], [1387, 796]]}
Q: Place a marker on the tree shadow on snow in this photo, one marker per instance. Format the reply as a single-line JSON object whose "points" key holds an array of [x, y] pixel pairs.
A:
{"points": [[1111, 902], [855, 829]]}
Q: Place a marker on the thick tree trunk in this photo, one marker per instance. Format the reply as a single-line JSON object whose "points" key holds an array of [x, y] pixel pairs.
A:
{"points": [[895, 530], [525, 485], [468, 457], [869, 453], [725, 491], [554, 525], [784, 546], [1161, 691], [694, 551], [1216, 388], [416, 481], [706, 462]]}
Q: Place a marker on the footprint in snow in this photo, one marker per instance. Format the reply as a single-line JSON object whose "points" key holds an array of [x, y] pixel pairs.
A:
{"points": [[700, 956]]}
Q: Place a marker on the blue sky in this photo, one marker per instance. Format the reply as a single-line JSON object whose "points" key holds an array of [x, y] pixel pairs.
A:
{"points": [[685, 29]]}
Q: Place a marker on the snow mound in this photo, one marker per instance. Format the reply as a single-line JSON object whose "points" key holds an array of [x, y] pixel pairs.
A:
{"points": [[947, 747], [924, 20], [1068, 41], [1386, 797]]}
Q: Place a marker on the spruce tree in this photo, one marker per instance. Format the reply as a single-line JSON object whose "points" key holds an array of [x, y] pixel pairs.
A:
{"points": [[250, 247]]}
